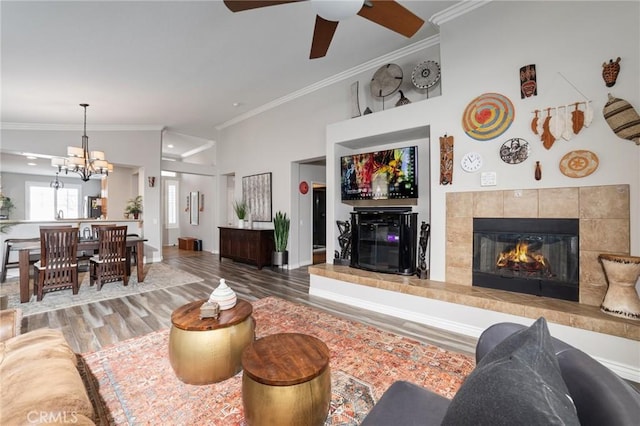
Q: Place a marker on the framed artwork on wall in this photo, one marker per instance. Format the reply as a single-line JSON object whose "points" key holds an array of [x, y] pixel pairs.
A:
{"points": [[256, 192]]}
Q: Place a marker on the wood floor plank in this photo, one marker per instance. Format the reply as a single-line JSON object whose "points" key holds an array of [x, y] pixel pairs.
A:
{"points": [[95, 325]]}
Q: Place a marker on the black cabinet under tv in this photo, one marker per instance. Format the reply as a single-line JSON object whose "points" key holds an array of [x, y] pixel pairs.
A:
{"points": [[384, 240]]}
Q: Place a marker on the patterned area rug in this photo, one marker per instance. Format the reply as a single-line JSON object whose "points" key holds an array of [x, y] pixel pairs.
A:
{"points": [[132, 382], [157, 276]]}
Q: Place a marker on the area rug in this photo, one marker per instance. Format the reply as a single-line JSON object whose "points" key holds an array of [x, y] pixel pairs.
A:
{"points": [[132, 382], [157, 276]]}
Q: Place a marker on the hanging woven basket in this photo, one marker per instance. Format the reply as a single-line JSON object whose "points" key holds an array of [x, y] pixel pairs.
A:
{"points": [[623, 119]]}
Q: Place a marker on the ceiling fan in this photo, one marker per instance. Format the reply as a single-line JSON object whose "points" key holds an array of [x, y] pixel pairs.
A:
{"points": [[387, 13]]}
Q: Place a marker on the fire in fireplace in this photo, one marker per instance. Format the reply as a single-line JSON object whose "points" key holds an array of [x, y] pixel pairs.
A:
{"points": [[525, 258], [532, 256]]}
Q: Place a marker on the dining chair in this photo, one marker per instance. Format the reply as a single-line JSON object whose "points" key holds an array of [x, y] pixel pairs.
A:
{"points": [[110, 264], [57, 268]]}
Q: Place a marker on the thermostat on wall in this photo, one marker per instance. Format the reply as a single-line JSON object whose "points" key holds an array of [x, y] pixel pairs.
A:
{"points": [[488, 179]]}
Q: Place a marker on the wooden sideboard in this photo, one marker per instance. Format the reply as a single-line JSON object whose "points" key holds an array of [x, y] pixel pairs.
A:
{"points": [[253, 246]]}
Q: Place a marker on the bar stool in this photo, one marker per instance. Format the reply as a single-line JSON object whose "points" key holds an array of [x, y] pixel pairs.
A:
{"points": [[8, 245]]}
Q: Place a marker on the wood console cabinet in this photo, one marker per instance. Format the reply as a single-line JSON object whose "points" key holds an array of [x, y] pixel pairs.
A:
{"points": [[252, 246]]}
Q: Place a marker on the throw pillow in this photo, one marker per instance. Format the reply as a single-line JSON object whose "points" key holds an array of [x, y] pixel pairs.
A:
{"points": [[518, 382]]}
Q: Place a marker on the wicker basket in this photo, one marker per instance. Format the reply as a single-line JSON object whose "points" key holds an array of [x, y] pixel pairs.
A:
{"points": [[623, 119]]}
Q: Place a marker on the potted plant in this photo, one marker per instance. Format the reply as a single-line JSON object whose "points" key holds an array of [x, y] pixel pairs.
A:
{"points": [[281, 224], [134, 206], [6, 205], [240, 207]]}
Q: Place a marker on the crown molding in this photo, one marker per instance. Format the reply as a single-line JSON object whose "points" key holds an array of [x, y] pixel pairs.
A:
{"points": [[456, 10], [374, 63], [79, 127]]}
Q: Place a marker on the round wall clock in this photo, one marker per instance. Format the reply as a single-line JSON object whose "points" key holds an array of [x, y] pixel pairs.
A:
{"points": [[426, 74], [471, 162], [304, 187], [386, 80], [514, 151]]}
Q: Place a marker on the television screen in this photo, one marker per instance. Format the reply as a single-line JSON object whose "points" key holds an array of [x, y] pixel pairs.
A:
{"points": [[380, 175]]}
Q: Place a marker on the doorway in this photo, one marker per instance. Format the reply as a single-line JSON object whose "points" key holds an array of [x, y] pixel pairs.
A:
{"points": [[319, 223]]}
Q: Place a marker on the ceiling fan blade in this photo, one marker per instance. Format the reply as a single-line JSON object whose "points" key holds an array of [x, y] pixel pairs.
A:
{"points": [[240, 5], [322, 36], [392, 15]]}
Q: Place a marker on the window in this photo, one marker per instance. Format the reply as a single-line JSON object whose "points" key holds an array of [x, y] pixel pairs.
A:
{"points": [[171, 203], [45, 203]]}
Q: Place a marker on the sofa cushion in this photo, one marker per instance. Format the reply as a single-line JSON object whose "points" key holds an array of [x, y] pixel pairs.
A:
{"points": [[40, 380], [407, 404], [518, 381]]}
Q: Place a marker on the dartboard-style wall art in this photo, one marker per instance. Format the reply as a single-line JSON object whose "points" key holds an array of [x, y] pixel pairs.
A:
{"points": [[488, 116]]}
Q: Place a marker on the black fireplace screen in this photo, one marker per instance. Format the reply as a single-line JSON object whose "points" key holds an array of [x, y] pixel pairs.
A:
{"points": [[533, 256]]}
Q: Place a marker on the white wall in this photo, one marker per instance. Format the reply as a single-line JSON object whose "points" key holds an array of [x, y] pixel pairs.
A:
{"points": [[296, 131], [483, 51], [469, 71]]}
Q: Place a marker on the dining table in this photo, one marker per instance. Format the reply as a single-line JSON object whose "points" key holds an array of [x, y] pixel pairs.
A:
{"points": [[84, 244]]}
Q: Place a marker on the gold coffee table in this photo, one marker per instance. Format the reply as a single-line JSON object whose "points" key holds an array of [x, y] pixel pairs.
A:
{"points": [[205, 351], [286, 381]]}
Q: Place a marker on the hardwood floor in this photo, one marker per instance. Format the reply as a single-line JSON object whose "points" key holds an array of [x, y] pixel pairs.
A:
{"points": [[93, 326]]}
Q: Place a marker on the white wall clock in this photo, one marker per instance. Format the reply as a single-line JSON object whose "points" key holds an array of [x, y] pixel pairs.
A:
{"points": [[471, 162]]}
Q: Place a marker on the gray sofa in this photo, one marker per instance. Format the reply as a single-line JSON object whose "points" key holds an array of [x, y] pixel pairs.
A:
{"points": [[522, 376]]}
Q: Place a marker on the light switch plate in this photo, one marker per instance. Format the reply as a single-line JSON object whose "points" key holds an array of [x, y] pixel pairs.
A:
{"points": [[488, 179]]}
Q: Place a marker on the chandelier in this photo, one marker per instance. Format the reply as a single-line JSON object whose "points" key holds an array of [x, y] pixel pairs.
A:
{"points": [[82, 161], [56, 184]]}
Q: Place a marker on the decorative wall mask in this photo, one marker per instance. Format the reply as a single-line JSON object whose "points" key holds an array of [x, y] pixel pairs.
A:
{"points": [[528, 82], [446, 160], [610, 72], [623, 119]]}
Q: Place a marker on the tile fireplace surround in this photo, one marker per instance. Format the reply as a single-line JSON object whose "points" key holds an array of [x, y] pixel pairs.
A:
{"points": [[602, 211]]}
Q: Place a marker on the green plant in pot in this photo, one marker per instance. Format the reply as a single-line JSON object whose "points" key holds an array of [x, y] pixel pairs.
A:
{"points": [[241, 209], [134, 206], [6, 206], [281, 225]]}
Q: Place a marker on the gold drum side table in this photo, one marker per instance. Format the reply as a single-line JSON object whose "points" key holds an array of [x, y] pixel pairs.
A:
{"points": [[205, 351], [286, 381]]}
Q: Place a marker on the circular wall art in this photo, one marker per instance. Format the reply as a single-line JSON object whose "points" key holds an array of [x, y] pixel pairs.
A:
{"points": [[386, 80], [488, 116], [579, 163], [425, 74], [514, 151], [304, 187]]}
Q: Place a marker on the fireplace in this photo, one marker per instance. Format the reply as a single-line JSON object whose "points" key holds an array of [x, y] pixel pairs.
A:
{"points": [[532, 256]]}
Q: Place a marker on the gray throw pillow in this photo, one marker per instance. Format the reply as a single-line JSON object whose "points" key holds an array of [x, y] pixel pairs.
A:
{"points": [[518, 382]]}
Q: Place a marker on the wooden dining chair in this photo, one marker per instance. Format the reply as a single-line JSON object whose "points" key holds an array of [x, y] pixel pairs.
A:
{"points": [[110, 264], [57, 268]]}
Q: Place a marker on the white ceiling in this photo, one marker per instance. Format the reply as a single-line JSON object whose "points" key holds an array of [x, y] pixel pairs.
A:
{"points": [[179, 65]]}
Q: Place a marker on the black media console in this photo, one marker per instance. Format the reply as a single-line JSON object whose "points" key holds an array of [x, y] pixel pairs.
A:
{"points": [[384, 239]]}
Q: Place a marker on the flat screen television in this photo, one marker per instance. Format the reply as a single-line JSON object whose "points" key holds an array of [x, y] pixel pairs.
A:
{"points": [[381, 175]]}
